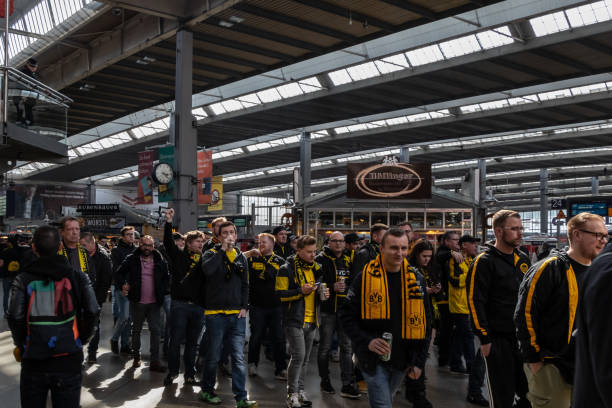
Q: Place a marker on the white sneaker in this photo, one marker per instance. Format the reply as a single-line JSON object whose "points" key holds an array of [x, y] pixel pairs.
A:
{"points": [[293, 401], [252, 370], [304, 401]]}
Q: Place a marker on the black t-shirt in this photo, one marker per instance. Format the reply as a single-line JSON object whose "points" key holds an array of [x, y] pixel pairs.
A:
{"points": [[73, 258], [399, 355]]}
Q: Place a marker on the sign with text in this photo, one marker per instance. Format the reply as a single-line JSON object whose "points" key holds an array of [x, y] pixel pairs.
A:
{"points": [[388, 180], [145, 181], [98, 209], [204, 177], [103, 223]]}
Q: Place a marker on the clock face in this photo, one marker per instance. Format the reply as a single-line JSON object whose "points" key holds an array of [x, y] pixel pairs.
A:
{"points": [[163, 173]]}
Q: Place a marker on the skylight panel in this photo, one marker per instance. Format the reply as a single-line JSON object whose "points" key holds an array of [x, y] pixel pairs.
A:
{"points": [[231, 105], [357, 127], [106, 142], [417, 117], [494, 104], [289, 90], [291, 139], [72, 154], [397, 121], [38, 19], [311, 84], [588, 89], [319, 134], [393, 63], [460, 46], [217, 108], [559, 93], [363, 71], [269, 95], [249, 100], [549, 24], [495, 38], [340, 77], [589, 13], [425, 55], [199, 113], [341, 129], [520, 100], [470, 108]]}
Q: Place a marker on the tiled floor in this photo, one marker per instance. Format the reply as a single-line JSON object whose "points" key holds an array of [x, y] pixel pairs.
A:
{"points": [[113, 383]]}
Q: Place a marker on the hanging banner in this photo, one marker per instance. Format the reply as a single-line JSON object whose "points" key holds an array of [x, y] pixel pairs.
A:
{"points": [[388, 180], [216, 202], [204, 177], [166, 191], [145, 181]]}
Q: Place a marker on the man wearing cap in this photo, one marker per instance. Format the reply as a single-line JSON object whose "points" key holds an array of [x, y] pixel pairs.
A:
{"points": [[25, 105], [462, 338], [283, 247]]}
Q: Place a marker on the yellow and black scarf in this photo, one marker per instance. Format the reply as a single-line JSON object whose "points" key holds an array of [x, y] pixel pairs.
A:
{"points": [[375, 302], [83, 263], [299, 266], [194, 258]]}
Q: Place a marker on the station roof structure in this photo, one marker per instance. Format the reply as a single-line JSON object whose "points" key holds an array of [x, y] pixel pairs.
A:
{"points": [[525, 84]]}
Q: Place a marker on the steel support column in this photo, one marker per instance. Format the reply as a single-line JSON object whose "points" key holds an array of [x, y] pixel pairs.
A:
{"points": [[185, 137], [480, 213], [305, 166], [595, 185], [544, 201]]}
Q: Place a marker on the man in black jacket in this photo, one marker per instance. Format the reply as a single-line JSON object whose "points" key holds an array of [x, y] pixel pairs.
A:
{"points": [[13, 259], [546, 310], [335, 263], [145, 279], [121, 304], [215, 239], [388, 297], [226, 274], [59, 374], [282, 247], [186, 311], [264, 304], [369, 251], [592, 382], [493, 285], [101, 259]]}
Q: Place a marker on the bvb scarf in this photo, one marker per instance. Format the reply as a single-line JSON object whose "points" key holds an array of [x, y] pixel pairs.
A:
{"points": [[375, 302], [195, 258], [299, 266], [82, 257]]}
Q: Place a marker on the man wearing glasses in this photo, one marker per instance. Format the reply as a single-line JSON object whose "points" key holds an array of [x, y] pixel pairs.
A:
{"points": [[335, 263], [546, 311], [493, 285]]}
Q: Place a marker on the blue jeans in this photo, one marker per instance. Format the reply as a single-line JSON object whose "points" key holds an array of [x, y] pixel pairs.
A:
{"points": [[122, 325], [65, 389], [217, 326], [382, 385], [166, 322], [462, 342], [185, 321]]}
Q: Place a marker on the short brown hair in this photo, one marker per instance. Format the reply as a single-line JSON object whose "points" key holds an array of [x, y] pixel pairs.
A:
{"points": [[87, 236], [500, 217], [191, 236], [68, 219], [217, 220], [125, 229], [267, 235], [378, 227], [227, 224], [396, 232], [579, 221], [306, 240]]}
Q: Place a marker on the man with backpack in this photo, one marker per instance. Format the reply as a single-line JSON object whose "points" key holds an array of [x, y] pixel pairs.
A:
{"points": [[52, 313]]}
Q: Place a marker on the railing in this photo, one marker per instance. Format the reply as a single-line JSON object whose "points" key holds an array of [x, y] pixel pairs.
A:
{"points": [[34, 105]]}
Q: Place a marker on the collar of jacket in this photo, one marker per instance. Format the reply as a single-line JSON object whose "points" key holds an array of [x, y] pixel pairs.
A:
{"points": [[124, 244], [157, 256], [493, 250]]}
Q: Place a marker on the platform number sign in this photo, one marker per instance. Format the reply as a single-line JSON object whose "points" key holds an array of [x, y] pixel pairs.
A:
{"points": [[557, 203]]}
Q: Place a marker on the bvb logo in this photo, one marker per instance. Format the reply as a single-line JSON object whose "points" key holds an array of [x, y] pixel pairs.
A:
{"points": [[524, 268], [375, 298], [415, 320]]}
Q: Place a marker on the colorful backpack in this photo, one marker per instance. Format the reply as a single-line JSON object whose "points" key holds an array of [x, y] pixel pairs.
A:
{"points": [[52, 329]]}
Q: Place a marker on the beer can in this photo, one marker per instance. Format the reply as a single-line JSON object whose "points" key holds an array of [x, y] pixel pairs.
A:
{"points": [[322, 289], [388, 337]]}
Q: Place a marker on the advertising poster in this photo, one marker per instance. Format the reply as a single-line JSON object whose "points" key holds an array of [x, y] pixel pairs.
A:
{"points": [[37, 202], [216, 201], [204, 176], [166, 191], [145, 181], [388, 180]]}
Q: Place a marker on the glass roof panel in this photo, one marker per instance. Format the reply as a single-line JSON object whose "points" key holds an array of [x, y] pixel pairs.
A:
{"points": [[590, 13], [460, 46], [290, 90], [340, 77], [393, 63], [549, 24], [495, 38], [249, 100], [310, 84], [269, 95], [363, 71], [425, 55], [231, 105]]}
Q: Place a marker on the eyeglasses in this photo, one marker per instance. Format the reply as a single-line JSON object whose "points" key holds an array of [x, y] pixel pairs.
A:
{"points": [[336, 241], [599, 235], [515, 229]]}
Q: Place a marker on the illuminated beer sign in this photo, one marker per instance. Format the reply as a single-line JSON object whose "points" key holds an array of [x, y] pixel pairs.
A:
{"points": [[389, 180]]}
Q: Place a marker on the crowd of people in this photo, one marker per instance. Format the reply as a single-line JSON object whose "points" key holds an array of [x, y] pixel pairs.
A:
{"points": [[380, 303]]}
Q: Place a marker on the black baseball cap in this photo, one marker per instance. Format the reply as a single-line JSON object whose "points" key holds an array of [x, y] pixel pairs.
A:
{"points": [[278, 229], [468, 238]]}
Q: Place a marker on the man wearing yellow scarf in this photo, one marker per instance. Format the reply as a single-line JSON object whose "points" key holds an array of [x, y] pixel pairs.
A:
{"points": [[388, 297]]}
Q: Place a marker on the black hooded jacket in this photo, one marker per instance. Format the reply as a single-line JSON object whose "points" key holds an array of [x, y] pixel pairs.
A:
{"points": [[54, 268], [104, 272], [118, 255], [332, 269]]}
